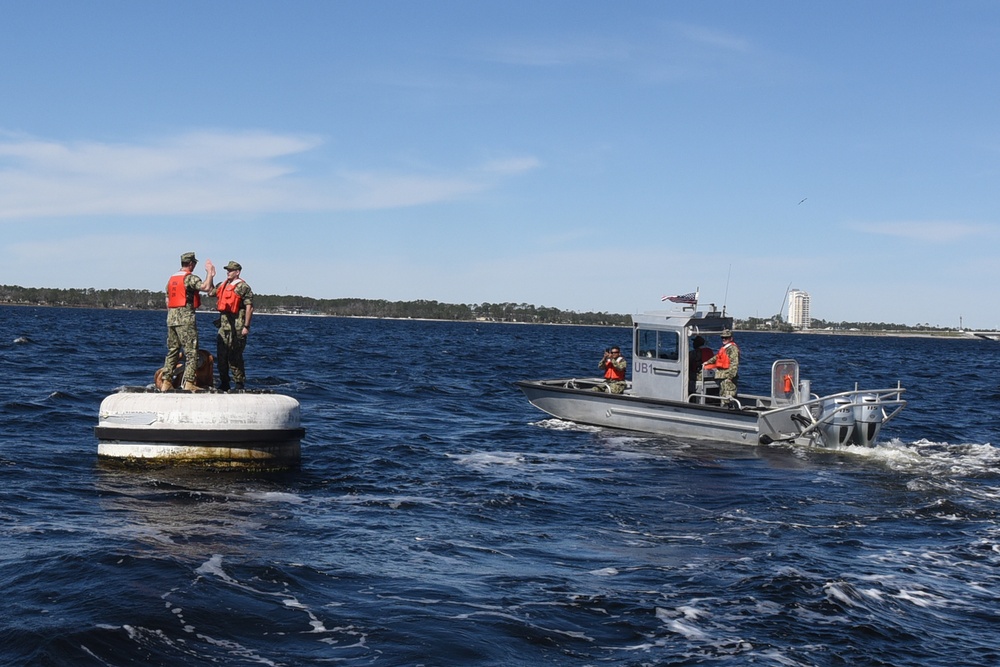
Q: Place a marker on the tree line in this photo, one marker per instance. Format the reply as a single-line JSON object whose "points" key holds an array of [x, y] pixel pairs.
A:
{"points": [[776, 323], [131, 299]]}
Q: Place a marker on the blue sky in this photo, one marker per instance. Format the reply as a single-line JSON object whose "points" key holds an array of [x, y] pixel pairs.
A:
{"points": [[584, 155]]}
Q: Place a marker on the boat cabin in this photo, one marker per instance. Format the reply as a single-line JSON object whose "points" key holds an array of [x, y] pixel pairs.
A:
{"points": [[662, 356]]}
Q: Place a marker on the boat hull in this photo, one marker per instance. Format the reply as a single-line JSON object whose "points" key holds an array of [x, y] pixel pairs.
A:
{"points": [[211, 429], [646, 415], [846, 418]]}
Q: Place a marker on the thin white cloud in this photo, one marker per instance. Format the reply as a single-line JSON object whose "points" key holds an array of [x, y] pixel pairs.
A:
{"points": [[927, 231], [210, 173], [715, 39], [660, 52], [516, 165], [565, 52], [373, 190], [572, 50], [687, 51]]}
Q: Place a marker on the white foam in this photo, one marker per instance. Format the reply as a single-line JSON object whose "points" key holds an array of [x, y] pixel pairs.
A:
{"points": [[687, 630], [237, 649], [604, 572], [544, 462], [392, 502], [213, 566], [277, 497], [317, 625], [563, 425], [937, 462], [691, 613], [511, 617], [838, 592], [489, 458], [920, 598], [872, 593]]}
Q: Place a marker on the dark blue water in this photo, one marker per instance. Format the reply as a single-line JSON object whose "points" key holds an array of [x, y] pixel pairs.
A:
{"points": [[438, 519]]}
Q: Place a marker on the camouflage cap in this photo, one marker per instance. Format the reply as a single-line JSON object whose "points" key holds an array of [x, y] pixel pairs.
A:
{"points": [[188, 257], [726, 333], [233, 266]]}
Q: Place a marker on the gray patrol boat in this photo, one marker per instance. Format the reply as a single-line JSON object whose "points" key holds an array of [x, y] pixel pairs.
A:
{"points": [[667, 396]]}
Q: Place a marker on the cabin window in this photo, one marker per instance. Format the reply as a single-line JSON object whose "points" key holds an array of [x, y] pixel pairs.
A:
{"points": [[658, 344], [645, 344]]}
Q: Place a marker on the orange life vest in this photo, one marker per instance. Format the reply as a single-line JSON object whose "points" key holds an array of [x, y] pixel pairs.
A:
{"points": [[177, 294], [612, 373], [228, 300], [721, 358]]}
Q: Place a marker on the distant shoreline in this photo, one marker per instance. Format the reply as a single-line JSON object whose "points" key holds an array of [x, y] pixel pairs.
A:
{"points": [[949, 334]]}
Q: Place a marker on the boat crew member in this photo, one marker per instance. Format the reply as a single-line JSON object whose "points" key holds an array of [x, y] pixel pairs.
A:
{"points": [[613, 364], [699, 356], [234, 301], [726, 364], [183, 299]]}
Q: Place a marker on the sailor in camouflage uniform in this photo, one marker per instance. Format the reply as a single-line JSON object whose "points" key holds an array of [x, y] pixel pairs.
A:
{"points": [[726, 364], [235, 306], [183, 300], [613, 364]]}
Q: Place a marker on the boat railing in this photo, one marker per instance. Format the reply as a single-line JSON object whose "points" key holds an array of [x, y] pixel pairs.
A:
{"points": [[882, 397], [584, 383], [809, 415], [716, 400]]}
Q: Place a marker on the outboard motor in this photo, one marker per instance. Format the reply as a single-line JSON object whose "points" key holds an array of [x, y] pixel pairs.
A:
{"points": [[867, 420], [838, 421]]}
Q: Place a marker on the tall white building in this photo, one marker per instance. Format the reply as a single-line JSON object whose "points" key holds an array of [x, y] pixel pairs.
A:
{"points": [[798, 309]]}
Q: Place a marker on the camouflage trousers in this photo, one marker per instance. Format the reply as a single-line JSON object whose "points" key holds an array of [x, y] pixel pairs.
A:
{"points": [[229, 355], [181, 336], [612, 386], [727, 388], [727, 383]]}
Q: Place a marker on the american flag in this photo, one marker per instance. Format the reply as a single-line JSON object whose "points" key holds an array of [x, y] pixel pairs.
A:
{"points": [[690, 297]]}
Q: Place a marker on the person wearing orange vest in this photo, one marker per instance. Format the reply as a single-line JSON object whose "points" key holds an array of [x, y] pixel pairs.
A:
{"points": [[613, 364], [183, 299], [234, 301], [726, 364]]}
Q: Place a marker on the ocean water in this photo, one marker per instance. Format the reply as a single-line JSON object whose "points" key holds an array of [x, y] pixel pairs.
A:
{"points": [[439, 519]]}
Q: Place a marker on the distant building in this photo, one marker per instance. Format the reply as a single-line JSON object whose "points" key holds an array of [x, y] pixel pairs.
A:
{"points": [[798, 309]]}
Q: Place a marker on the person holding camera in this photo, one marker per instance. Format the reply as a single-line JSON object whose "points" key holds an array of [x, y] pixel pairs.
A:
{"points": [[613, 364]]}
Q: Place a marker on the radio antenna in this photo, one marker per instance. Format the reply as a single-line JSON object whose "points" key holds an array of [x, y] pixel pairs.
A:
{"points": [[725, 298]]}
